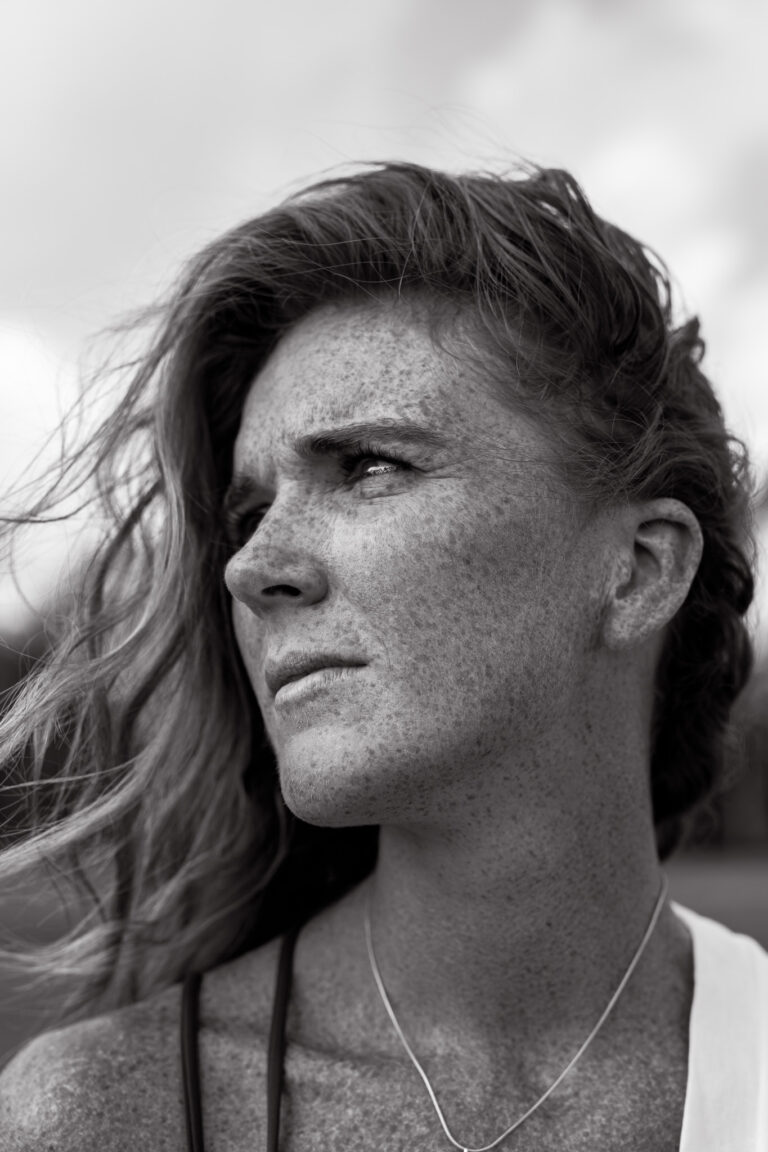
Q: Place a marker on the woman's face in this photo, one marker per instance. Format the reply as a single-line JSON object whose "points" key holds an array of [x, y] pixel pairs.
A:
{"points": [[401, 522]]}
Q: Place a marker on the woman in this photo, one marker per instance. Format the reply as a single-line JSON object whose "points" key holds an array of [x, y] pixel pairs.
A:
{"points": [[407, 659]]}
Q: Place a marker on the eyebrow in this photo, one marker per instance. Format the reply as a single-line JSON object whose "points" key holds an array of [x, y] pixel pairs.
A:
{"points": [[334, 441]]}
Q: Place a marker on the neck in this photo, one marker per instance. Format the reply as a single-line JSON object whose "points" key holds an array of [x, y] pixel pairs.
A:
{"points": [[500, 944], [487, 952]]}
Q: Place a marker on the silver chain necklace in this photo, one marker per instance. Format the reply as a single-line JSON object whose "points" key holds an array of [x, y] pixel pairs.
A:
{"points": [[624, 980]]}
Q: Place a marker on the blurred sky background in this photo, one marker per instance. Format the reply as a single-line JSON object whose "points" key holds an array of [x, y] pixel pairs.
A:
{"points": [[132, 134]]}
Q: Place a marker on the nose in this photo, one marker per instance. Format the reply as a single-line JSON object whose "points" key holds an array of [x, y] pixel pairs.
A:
{"points": [[269, 572]]}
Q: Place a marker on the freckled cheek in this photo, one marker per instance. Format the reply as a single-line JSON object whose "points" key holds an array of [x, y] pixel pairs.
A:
{"points": [[448, 577]]}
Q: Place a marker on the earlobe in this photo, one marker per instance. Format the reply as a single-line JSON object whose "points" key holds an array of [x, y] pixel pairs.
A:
{"points": [[654, 571]]}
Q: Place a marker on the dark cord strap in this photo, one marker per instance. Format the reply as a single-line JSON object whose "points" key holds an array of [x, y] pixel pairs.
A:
{"points": [[190, 1063], [276, 1055], [190, 1059]]}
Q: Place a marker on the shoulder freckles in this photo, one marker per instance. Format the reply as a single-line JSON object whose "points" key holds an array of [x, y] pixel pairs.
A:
{"points": [[107, 1084], [239, 992]]}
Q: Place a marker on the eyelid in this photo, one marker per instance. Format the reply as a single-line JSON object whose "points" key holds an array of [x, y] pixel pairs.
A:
{"points": [[355, 453], [351, 460]]}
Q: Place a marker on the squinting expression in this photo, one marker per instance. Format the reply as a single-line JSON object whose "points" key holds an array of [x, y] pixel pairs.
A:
{"points": [[395, 518]]}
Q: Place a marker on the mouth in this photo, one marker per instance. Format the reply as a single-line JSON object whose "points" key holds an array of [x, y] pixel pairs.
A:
{"points": [[296, 665]]}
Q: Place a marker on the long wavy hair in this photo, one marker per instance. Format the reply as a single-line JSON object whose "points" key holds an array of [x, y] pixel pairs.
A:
{"points": [[162, 809]]}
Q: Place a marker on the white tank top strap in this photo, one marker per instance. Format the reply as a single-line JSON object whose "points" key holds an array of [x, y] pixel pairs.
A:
{"points": [[726, 1104]]}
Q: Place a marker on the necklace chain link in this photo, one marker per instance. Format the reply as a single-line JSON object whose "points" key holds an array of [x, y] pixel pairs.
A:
{"points": [[611, 1003]]}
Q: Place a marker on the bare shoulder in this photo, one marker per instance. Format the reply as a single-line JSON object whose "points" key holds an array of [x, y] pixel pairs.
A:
{"points": [[238, 994], [113, 1083], [235, 1013], [98, 1083]]}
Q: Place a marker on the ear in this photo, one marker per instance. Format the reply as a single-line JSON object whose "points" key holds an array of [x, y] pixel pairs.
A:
{"points": [[655, 566]]}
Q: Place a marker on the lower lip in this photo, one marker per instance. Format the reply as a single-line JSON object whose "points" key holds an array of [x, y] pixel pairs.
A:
{"points": [[313, 684]]}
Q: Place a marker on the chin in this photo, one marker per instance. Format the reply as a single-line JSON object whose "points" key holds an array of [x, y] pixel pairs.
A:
{"points": [[335, 782]]}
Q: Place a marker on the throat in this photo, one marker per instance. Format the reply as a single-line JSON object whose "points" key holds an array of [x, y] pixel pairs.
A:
{"points": [[524, 953], [487, 1062]]}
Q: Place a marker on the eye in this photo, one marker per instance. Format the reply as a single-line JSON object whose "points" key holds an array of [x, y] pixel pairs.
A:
{"points": [[240, 526], [366, 465]]}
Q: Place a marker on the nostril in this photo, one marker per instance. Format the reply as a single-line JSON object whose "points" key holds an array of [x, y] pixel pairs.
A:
{"points": [[281, 590]]}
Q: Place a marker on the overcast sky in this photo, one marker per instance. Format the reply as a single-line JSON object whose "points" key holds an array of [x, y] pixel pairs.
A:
{"points": [[134, 133]]}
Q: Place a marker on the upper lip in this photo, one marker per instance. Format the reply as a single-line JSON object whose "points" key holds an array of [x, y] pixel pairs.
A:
{"points": [[293, 665]]}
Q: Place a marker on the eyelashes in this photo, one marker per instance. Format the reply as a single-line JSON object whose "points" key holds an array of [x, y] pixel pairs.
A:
{"points": [[240, 524], [368, 453]]}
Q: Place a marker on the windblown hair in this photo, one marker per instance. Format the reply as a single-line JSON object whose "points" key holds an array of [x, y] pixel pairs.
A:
{"points": [[164, 808]]}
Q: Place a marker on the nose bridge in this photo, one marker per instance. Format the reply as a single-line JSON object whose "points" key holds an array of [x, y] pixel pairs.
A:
{"points": [[290, 523], [282, 559]]}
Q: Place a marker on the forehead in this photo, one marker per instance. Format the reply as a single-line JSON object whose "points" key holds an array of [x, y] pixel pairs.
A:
{"points": [[358, 362], [339, 360]]}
